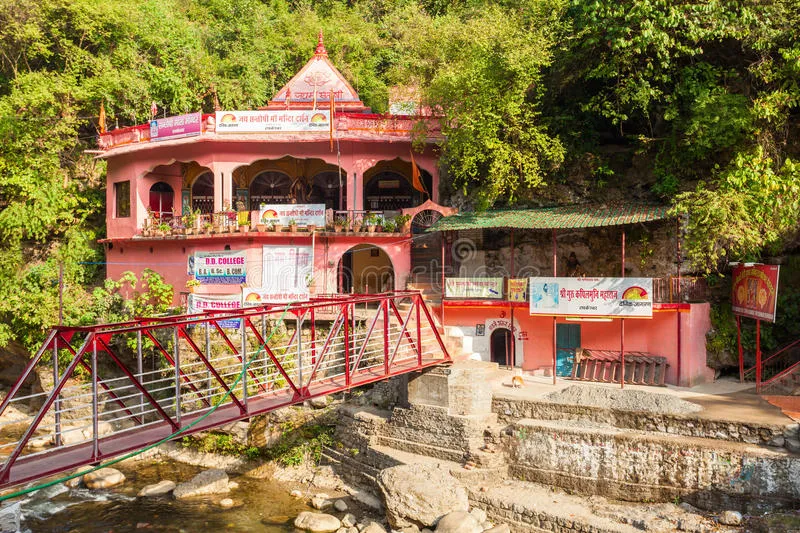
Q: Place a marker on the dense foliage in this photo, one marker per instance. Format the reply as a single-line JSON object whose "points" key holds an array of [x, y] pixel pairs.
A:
{"points": [[689, 102]]}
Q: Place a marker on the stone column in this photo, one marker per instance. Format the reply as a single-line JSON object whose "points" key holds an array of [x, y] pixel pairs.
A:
{"points": [[462, 389]]}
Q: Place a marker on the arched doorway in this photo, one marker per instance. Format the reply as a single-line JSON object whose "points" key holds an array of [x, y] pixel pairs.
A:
{"points": [[325, 189], [270, 188], [203, 193], [365, 269], [426, 248], [161, 201], [388, 191], [500, 346]]}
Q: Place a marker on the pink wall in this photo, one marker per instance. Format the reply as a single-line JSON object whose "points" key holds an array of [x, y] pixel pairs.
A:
{"points": [[658, 336], [169, 256]]}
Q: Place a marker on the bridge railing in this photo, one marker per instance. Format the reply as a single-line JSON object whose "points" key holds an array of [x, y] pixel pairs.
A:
{"points": [[92, 393]]}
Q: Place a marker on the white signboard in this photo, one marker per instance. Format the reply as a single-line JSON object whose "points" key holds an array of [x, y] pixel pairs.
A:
{"points": [[255, 297], [604, 297], [224, 267], [287, 273], [308, 121], [302, 214], [473, 288], [199, 303]]}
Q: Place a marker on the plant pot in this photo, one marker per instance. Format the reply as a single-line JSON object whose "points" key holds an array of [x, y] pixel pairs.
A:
{"points": [[261, 228], [337, 229], [405, 228], [357, 227], [311, 228], [293, 228], [278, 228], [371, 230], [243, 229]]}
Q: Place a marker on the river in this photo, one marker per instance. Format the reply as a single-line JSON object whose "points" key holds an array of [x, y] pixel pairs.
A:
{"points": [[259, 506]]}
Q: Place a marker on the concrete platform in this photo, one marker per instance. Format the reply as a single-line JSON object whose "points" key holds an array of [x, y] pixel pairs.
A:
{"points": [[723, 400]]}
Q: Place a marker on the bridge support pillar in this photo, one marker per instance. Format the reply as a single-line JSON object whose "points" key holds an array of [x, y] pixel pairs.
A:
{"points": [[462, 389]]}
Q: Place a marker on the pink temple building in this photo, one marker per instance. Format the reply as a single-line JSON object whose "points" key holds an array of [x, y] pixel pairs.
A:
{"points": [[207, 201]]}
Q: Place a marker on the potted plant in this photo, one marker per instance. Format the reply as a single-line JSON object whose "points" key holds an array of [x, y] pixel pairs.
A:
{"points": [[292, 225], [277, 226], [403, 223], [357, 224], [261, 227], [370, 221], [192, 284], [340, 223], [389, 226], [311, 228], [162, 229], [207, 227]]}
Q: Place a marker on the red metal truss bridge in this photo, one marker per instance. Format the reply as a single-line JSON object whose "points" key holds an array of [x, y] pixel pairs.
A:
{"points": [[93, 393]]}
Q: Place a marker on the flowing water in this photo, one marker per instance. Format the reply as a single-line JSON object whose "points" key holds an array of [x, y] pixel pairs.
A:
{"points": [[259, 506]]}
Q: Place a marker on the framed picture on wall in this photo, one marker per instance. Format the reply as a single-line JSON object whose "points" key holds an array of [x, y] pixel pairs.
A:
{"points": [[186, 201], [242, 200], [480, 330]]}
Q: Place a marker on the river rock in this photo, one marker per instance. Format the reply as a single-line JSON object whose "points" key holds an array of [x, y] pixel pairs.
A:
{"points": [[232, 485], [317, 522], [208, 482], [349, 520], [458, 522], [478, 514], [10, 517], [502, 528], [793, 445], [77, 481], [296, 493], [730, 518], [410, 529], [340, 506], [157, 489], [319, 402], [226, 503], [373, 527], [321, 501], [420, 494], [104, 478]]}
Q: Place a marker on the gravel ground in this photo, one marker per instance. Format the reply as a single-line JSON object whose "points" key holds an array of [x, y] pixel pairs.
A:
{"points": [[630, 400]]}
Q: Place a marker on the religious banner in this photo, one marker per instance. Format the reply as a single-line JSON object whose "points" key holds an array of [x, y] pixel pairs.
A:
{"points": [[199, 303], [287, 273], [473, 288], [302, 214], [594, 297], [224, 267], [253, 297], [176, 127], [755, 291], [517, 289], [296, 121]]}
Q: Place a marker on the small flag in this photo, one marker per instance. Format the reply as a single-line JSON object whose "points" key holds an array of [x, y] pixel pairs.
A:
{"points": [[315, 98], [416, 180], [102, 119], [333, 113], [153, 109]]}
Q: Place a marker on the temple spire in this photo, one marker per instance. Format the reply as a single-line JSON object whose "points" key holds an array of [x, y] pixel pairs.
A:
{"points": [[320, 51]]}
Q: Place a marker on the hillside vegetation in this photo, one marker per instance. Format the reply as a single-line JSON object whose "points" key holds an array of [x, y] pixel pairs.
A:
{"points": [[694, 103]]}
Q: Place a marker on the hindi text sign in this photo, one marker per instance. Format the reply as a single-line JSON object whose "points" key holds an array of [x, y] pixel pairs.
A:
{"points": [[302, 214], [597, 297], [287, 272], [298, 121], [176, 127], [474, 288], [224, 267]]}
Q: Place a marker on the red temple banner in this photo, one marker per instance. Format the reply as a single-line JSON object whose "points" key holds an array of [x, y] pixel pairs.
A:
{"points": [[755, 291]]}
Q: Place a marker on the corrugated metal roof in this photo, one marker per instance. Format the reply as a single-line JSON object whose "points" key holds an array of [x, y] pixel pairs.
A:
{"points": [[558, 217]]}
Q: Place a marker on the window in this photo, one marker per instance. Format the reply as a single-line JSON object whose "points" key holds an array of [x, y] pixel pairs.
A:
{"points": [[122, 193]]}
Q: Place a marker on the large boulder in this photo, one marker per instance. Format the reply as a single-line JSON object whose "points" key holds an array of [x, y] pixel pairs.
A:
{"points": [[105, 478], [317, 522], [157, 489], [458, 522], [208, 482], [420, 495]]}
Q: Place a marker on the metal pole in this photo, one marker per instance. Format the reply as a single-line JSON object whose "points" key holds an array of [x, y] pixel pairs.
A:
{"points": [[555, 319], [140, 371], [622, 323], [385, 305], [244, 363], [443, 239], [177, 358], [346, 346], [419, 331], [55, 382], [513, 351], [739, 345], [208, 358], [95, 406], [758, 356], [299, 326]]}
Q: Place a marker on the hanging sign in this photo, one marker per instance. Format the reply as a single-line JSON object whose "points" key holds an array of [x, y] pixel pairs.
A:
{"points": [[517, 289], [176, 127], [598, 297], [473, 288], [298, 121], [287, 274], [302, 214], [755, 291], [199, 303], [225, 267]]}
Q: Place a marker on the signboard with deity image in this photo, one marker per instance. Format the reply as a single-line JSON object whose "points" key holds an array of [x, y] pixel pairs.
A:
{"points": [[592, 297], [755, 291]]}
